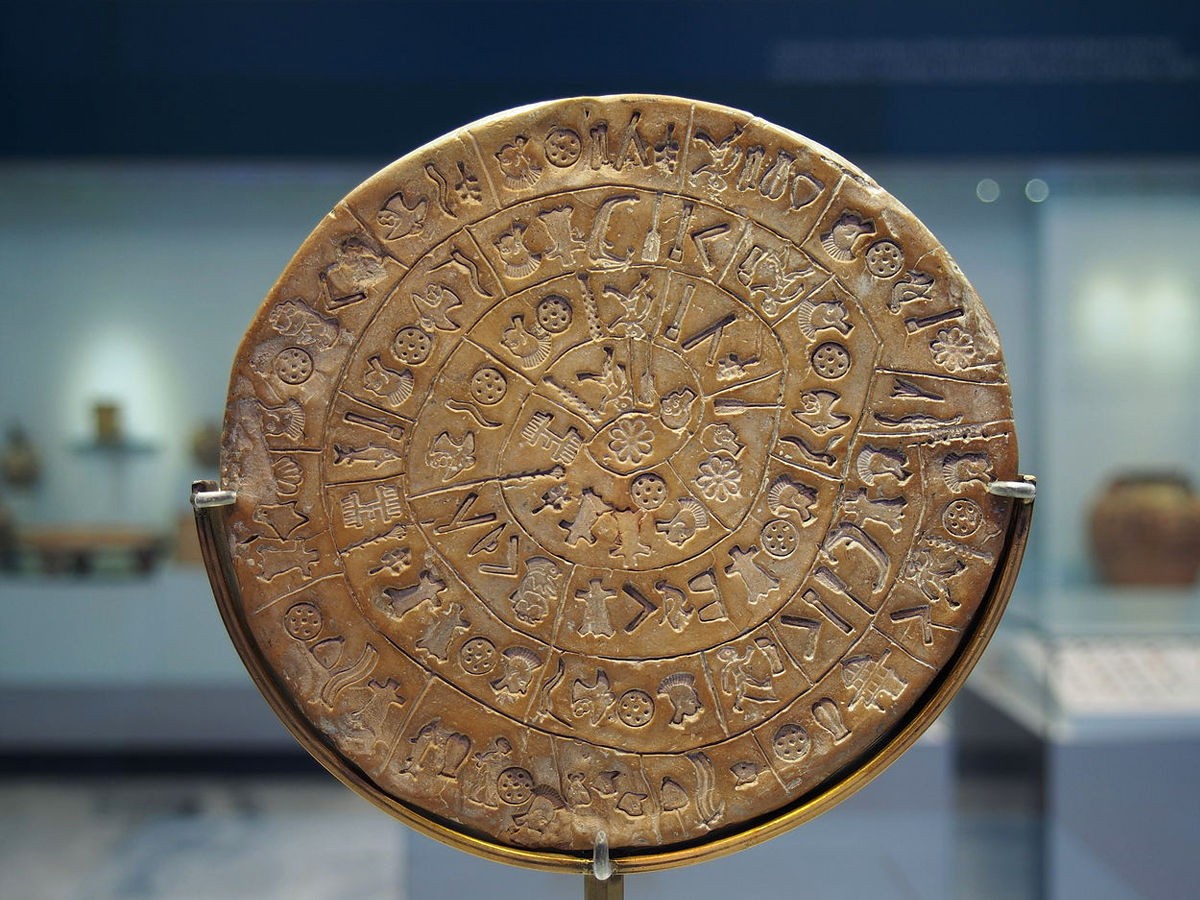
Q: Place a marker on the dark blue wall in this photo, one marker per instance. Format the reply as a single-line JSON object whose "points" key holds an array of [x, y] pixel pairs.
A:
{"points": [[323, 78]]}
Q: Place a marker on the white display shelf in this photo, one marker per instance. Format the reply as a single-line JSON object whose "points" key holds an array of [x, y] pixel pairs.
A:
{"points": [[101, 663], [1099, 686], [161, 629]]}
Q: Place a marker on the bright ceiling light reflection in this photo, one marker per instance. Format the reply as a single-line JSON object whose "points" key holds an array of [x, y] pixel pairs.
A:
{"points": [[1036, 190], [988, 190]]}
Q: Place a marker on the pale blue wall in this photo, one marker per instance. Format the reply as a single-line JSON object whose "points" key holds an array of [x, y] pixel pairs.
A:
{"points": [[135, 282]]}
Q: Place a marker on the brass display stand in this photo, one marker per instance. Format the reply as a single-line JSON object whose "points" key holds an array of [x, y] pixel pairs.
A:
{"points": [[559, 438]]}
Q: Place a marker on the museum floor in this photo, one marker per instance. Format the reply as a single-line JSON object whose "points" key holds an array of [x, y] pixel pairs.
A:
{"points": [[307, 838]]}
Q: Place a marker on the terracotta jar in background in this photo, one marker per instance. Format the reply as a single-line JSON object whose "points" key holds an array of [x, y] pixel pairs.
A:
{"points": [[108, 423], [19, 462], [1145, 529]]}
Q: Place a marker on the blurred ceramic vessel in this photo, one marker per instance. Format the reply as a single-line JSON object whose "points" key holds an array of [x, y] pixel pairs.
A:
{"points": [[19, 462], [1145, 529]]}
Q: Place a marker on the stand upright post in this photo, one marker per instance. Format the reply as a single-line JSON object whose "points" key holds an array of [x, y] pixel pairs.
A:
{"points": [[611, 889]]}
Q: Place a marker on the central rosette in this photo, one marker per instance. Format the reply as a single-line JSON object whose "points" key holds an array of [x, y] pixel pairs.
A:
{"points": [[642, 400]]}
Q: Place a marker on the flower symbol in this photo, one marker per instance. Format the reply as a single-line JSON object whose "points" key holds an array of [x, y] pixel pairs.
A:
{"points": [[953, 349], [631, 441], [719, 478]]}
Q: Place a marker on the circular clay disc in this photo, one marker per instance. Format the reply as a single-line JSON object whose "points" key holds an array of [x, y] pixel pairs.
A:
{"points": [[616, 465]]}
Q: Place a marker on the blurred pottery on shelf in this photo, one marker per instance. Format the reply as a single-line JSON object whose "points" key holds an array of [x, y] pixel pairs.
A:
{"points": [[108, 422], [1145, 529], [79, 549], [19, 462]]}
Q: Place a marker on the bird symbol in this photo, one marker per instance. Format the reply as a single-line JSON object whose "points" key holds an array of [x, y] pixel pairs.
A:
{"points": [[435, 305], [817, 412], [400, 219]]}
